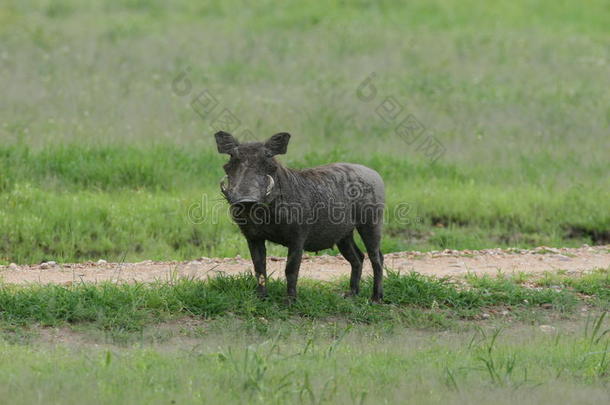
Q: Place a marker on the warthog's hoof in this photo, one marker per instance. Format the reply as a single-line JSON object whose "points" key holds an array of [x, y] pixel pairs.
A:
{"points": [[261, 292], [377, 299], [350, 294]]}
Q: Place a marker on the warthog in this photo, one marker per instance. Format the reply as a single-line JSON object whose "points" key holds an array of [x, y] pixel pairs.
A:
{"points": [[309, 209]]}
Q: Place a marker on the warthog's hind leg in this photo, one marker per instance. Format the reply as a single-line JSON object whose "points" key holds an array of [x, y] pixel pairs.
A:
{"points": [[293, 263], [371, 236], [351, 253]]}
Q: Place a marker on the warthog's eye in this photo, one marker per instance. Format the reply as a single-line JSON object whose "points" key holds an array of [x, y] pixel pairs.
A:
{"points": [[230, 164]]}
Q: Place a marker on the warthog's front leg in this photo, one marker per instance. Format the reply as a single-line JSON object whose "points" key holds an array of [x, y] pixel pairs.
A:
{"points": [[295, 254], [258, 252]]}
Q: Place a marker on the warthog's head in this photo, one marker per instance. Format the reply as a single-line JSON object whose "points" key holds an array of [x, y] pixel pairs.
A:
{"points": [[251, 168]]}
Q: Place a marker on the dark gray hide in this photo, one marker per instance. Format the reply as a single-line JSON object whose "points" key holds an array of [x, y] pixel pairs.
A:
{"points": [[309, 209]]}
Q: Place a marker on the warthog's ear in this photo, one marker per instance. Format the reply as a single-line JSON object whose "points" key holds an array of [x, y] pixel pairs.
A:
{"points": [[225, 142], [278, 143]]}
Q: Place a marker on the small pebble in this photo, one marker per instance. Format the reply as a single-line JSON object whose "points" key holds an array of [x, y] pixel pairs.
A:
{"points": [[547, 328], [13, 266], [101, 262]]}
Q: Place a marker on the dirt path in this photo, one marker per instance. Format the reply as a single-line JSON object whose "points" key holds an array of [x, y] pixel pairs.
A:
{"points": [[445, 263]]}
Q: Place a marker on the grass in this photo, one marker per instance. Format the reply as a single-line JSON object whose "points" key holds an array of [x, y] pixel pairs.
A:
{"points": [[412, 300], [189, 341], [319, 363], [595, 285], [75, 203], [100, 156], [527, 366]]}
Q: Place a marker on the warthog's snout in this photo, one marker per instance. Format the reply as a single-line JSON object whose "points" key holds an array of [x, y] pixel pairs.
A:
{"points": [[244, 201], [250, 188]]}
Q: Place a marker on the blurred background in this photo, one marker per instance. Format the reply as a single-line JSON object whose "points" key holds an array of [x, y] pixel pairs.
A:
{"points": [[108, 110]]}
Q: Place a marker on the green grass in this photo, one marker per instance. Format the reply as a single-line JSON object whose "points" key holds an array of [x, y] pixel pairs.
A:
{"points": [[100, 158], [595, 285], [75, 202], [319, 363], [411, 300], [187, 341]]}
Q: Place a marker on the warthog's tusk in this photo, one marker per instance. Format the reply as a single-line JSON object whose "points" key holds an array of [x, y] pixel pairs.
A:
{"points": [[270, 185], [223, 186]]}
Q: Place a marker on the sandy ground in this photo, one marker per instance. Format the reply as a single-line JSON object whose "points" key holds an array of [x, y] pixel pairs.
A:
{"points": [[451, 263]]}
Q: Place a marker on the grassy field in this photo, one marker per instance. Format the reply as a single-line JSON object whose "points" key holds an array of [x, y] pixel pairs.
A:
{"points": [[507, 339], [412, 300], [343, 366], [106, 151], [104, 155]]}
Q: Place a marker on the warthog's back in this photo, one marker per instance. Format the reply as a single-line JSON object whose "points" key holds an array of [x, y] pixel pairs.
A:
{"points": [[346, 182], [336, 198]]}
